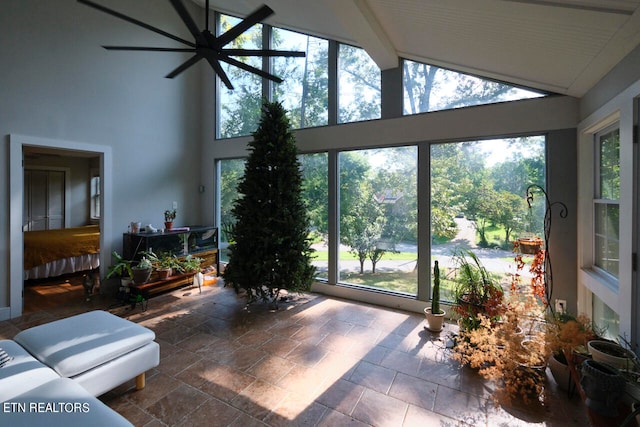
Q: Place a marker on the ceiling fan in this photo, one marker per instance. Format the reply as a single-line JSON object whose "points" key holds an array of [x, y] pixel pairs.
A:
{"points": [[206, 45]]}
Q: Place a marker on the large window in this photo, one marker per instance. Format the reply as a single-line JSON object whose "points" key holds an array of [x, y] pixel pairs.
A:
{"points": [[478, 201], [607, 201], [304, 91], [316, 195], [378, 218], [230, 173], [430, 88], [308, 84], [239, 109], [359, 84]]}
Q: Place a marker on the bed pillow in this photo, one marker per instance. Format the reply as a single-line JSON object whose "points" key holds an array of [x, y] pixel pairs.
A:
{"points": [[4, 358]]}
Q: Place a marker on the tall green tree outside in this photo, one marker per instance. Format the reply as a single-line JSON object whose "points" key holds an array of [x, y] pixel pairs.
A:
{"points": [[270, 249]]}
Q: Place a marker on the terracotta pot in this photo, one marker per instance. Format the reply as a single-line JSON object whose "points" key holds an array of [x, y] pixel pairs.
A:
{"points": [[164, 273], [168, 225]]}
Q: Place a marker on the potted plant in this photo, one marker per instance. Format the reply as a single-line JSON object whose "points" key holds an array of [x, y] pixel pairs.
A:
{"points": [[502, 353], [566, 335], [530, 244], [434, 314], [169, 216], [611, 353], [121, 268], [190, 264], [603, 385], [142, 270], [476, 291], [163, 264], [169, 264]]}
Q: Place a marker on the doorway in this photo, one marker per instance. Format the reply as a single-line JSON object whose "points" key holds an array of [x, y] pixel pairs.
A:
{"points": [[18, 144]]}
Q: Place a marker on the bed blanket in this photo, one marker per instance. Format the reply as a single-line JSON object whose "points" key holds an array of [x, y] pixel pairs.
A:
{"points": [[41, 247]]}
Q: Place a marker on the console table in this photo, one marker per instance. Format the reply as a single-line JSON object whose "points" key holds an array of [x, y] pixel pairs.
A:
{"points": [[195, 241]]}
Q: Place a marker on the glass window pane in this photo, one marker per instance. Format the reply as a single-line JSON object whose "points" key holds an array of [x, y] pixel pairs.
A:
{"points": [[613, 222], [430, 88], [609, 167], [600, 219], [304, 91], [605, 319], [359, 81], [606, 204], [600, 252], [378, 219], [231, 171], [478, 202], [316, 195], [606, 244], [239, 109]]}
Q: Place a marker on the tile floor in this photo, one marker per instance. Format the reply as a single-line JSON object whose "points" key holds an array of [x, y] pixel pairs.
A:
{"points": [[317, 361]]}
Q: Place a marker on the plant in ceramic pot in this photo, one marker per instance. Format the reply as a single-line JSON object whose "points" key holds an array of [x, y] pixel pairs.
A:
{"points": [[163, 264], [169, 217], [434, 314], [171, 263], [566, 335], [603, 386], [612, 353], [191, 264], [121, 268], [142, 270]]}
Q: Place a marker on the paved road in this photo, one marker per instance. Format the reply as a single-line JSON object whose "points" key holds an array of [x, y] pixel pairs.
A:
{"points": [[495, 260]]}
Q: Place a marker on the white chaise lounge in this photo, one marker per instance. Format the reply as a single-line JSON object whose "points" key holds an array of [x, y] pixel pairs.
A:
{"points": [[96, 351]]}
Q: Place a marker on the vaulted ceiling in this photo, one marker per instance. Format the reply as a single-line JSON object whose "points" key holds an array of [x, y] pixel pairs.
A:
{"points": [[562, 46]]}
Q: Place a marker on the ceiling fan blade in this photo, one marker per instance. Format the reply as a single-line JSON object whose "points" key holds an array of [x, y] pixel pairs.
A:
{"points": [[188, 63], [211, 58], [250, 69], [244, 25], [186, 18], [135, 21], [262, 52], [151, 49]]}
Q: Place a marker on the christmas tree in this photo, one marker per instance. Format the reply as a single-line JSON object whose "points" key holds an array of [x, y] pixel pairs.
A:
{"points": [[269, 249]]}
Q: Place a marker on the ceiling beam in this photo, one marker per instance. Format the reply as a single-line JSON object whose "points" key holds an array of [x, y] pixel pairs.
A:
{"points": [[359, 20], [622, 7]]}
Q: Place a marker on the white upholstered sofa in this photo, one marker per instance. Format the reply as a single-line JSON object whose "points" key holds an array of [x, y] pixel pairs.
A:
{"points": [[51, 374]]}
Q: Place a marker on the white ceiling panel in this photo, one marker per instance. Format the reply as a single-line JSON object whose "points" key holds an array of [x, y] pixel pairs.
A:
{"points": [[564, 46]]}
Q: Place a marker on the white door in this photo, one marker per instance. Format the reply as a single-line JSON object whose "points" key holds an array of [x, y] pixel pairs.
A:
{"points": [[44, 199]]}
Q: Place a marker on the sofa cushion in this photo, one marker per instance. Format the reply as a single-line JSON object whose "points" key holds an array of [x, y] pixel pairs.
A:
{"points": [[79, 343], [22, 372], [59, 402]]}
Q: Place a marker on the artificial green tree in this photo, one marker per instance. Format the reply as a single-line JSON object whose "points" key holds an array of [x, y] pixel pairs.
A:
{"points": [[270, 249]]}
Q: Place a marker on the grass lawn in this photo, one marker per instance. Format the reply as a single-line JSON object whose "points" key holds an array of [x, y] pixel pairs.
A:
{"points": [[396, 281], [348, 256]]}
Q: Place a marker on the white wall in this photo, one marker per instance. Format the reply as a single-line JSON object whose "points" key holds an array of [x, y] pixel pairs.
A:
{"points": [[59, 84]]}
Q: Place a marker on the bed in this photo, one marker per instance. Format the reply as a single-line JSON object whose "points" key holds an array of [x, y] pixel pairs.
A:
{"points": [[51, 253]]}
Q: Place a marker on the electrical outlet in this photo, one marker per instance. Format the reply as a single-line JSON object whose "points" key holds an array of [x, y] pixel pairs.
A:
{"points": [[175, 205], [561, 305]]}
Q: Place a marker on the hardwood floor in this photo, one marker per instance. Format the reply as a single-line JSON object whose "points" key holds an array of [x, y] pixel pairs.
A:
{"points": [[45, 294]]}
